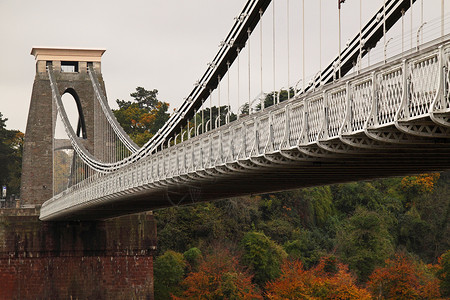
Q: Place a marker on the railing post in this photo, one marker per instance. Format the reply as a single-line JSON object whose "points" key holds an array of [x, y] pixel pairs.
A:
{"points": [[244, 138], [403, 107], [271, 137], [287, 121], [305, 129], [439, 100], [220, 146], [375, 100], [326, 112], [348, 109], [256, 141]]}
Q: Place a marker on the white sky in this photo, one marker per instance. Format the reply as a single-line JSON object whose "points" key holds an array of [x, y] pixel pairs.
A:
{"points": [[166, 44]]}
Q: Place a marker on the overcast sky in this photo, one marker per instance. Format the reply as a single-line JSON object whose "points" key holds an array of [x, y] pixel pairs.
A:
{"points": [[163, 44]]}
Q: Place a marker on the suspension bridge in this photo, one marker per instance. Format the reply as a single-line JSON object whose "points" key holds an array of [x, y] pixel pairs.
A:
{"points": [[347, 122]]}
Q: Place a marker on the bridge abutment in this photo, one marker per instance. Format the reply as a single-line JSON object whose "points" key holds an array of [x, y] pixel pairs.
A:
{"points": [[110, 259]]}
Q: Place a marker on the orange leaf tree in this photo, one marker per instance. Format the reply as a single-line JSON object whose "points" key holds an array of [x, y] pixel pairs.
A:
{"points": [[401, 278], [219, 277], [328, 280], [423, 183]]}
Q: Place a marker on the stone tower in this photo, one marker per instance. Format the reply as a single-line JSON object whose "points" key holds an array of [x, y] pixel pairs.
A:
{"points": [[70, 71]]}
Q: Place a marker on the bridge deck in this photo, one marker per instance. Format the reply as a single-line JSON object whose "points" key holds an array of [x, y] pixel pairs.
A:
{"points": [[392, 119]]}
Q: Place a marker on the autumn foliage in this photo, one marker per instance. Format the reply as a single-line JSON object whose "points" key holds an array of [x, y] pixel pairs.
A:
{"points": [[401, 278], [142, 117], [443, 273], [423, 183], [219, 277], [328, 280]]}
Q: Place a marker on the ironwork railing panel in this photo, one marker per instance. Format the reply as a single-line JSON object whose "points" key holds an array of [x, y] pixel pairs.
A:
{"points": [[226, 144], [296, 122], [315, 118], [336, 109], [278, 128], [390, 93], [360, 103], [423, 86], [249, 137], [263, 133], [238, 140]]}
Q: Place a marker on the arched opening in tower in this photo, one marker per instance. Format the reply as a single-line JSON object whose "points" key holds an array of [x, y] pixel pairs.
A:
{"points": [[74, 110]]}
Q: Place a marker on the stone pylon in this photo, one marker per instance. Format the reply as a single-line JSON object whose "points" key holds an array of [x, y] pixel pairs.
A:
{"points": [[70, 71]]}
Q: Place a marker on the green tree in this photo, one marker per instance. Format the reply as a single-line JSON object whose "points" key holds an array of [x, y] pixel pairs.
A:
{"points": [[15, 143], [225, 115], [363, 242], [5, 151], [443, 274], [192, 225], [193, 256], [262, 255], [347, 197], [275, 97], [11, 148], [142, 117], [424, 228], [308, 247], [144, 99], [168, 271]]}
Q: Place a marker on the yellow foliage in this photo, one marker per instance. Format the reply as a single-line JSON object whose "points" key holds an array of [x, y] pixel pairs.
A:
{"points": [[423, 183]]}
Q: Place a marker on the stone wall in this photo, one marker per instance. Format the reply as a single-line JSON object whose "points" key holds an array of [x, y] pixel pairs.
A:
{"points": [[76, 260]]}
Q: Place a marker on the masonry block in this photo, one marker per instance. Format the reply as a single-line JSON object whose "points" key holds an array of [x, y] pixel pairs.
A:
{"points": [[110, 259], [37, 163]]}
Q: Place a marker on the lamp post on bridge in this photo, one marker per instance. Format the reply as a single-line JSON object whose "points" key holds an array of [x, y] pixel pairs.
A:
{"points": [[3, 198]]}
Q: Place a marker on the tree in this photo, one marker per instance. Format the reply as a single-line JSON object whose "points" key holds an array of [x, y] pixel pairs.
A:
{"points": [[219, 277], [443, 274], [423, 226], [262, 255], [5, 151], [308, 247], [193, 257], [364, 242], [168, 272], [423, 183], [274, 97], [192, 225], [62, 167], [401, 278], [15, 143], [225, 115], [328, 280], [347, 197], [11, 148], [142, 118]]}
